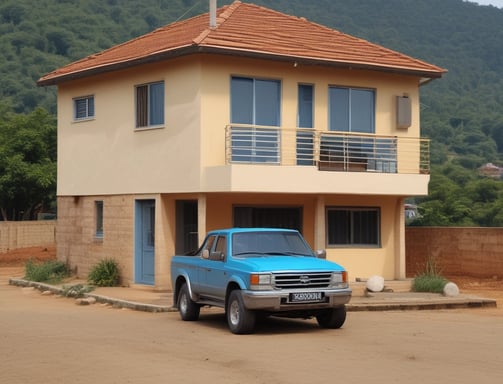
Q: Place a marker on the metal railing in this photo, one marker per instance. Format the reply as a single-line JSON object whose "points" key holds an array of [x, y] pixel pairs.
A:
{"points": [[327, 150]]}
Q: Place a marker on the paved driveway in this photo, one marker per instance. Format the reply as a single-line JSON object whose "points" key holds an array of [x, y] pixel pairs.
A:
{"points": [[51, 340]]}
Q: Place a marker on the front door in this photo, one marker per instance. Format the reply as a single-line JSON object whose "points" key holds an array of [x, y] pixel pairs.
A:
{"points": [[145, 242]]}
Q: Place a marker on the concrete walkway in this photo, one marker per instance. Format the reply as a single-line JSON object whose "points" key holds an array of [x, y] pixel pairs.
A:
{"points": [[396, 297]]}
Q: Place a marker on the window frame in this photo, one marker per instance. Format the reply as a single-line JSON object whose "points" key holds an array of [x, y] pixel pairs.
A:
{"points": [[99, 218], [332, 115], [250, 110], [90, 108], [143, 108], [350, 226]]}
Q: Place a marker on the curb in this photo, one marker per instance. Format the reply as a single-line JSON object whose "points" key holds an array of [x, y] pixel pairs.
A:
{"points": [[381, 303], [116, 303]]}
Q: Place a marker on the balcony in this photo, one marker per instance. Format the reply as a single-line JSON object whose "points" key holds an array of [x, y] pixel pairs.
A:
{"points": [[326, 151]]}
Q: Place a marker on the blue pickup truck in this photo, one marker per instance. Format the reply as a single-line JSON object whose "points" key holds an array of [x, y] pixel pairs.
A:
{"points": [[259, 271]]}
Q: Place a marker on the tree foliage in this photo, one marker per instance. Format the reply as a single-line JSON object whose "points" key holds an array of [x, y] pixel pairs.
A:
{"points": [[462, 113], [27, 163]]}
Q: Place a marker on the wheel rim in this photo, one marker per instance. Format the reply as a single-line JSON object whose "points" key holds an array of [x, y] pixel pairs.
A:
{"points": [[183, 303], [234, 313]]}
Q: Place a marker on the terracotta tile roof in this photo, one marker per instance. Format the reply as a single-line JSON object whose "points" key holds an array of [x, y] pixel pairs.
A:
{"points": [[252, 31]]}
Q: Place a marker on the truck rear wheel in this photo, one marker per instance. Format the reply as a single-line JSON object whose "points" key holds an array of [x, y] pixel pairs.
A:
{"points": [[240, 319], [189, 310], [332, 318]]}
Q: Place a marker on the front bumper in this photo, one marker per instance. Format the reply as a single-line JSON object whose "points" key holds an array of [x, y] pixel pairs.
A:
{"points": [[278, 301]]}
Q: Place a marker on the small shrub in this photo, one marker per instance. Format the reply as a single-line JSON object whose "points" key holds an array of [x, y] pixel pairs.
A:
{"points": [[105, 274], [51, 271], [431, 279], [428, 283], [77, 291]]}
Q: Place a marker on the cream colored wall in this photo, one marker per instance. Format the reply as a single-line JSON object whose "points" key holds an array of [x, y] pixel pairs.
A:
{"points": [[107, 155], [361, 262], [130, 160], [215, 103]]}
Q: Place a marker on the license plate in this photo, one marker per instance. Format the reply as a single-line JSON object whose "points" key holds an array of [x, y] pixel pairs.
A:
{"points": [[299, 297]]}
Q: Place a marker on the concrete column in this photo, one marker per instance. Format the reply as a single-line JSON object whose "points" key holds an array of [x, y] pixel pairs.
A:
{"points": [[400, 272], [319, 224], [201, 217]]}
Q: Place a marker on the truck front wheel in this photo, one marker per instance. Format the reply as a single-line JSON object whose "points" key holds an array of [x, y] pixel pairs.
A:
{"points": [[189, 310], [240, 319], [332, 318]]}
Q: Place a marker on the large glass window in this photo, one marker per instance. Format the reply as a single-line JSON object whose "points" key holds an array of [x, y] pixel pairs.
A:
{"points": [[358, 226], [255, 102], [352, 109], [150, 105]]}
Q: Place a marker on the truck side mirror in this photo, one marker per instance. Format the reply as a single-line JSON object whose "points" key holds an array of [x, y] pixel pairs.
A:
{"points": [[321, 254], [206, 254]]}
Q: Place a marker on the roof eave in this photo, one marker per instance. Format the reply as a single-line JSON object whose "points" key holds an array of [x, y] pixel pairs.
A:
{"points": [[425, 75]]}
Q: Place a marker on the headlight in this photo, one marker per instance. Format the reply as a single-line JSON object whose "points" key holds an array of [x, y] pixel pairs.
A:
{"points": [[261, 281], [339, 279]]}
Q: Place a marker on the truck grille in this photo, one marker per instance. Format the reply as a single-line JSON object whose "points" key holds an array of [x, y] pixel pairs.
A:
{"points": [[302, 280]]}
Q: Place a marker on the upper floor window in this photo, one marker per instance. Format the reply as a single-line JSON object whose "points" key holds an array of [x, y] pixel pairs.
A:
{"points": [[352, 109], [305, 137], [150, 105], [305, 106], [83, 107], [348, 226], [255, 101]]}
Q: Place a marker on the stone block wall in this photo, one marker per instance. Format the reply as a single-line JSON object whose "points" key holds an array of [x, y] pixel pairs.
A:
{"points": [[476, 252], [77, 243], [24, 234]]}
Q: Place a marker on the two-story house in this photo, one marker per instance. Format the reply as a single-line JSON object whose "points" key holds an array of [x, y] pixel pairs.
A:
{"points": [[240, 117]]}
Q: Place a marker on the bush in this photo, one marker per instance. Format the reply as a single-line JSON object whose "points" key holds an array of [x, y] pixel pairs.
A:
{"points": [[105, 274], [430, 280], [51, 271], [76, 291]]}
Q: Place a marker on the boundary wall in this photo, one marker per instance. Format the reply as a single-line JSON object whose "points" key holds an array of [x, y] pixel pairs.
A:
{"points": [[474, 252], [24, 234]]}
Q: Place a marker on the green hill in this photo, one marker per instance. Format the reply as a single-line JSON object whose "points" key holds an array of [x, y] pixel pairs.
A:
{"points": [[462, 113]]}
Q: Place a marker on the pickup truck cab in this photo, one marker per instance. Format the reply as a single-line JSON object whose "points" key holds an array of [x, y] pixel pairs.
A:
{"points": [[266, 271]]}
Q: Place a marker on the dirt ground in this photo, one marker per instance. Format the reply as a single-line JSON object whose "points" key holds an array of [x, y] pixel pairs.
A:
{"points": [[46, 336]]}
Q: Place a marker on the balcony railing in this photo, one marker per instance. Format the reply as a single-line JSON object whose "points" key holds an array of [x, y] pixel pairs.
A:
{"points": [[326, 150]]}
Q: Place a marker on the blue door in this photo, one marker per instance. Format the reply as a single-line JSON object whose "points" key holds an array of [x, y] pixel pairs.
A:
{"points": [[145, 242]]}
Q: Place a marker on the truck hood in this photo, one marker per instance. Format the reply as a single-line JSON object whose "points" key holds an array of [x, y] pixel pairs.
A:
{"points": [[285, 264]]}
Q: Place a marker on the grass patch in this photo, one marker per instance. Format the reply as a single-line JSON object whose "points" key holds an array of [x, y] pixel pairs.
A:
{"points": [[52, 271], [105, 274], [430, 279]]}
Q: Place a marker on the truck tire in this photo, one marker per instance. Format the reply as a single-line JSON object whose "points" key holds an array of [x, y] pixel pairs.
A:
{"points": [[240, 320], [189, 310], [332, 318]]}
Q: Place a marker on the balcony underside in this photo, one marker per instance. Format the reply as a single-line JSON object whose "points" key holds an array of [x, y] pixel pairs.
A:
{"points": [[261, 178]]}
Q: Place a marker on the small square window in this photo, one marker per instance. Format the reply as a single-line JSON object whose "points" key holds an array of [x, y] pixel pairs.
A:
{"points": [[83, 108], [98, 207], [150, 105]]}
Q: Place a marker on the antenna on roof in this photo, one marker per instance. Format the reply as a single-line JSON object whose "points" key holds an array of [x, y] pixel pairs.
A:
{"points": [[213, 14]]}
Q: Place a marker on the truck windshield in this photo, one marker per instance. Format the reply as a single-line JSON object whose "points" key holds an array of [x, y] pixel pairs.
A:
{"points": [[269, 243]]}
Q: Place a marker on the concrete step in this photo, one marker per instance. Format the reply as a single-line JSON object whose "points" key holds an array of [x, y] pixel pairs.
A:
{"points": [[405, 285]]}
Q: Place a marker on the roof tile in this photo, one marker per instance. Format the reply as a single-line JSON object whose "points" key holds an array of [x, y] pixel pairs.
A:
{"points": [[247, 30]]}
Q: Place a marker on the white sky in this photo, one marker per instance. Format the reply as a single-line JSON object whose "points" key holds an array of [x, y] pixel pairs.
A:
{"points": [[496, 3]]}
